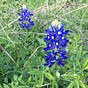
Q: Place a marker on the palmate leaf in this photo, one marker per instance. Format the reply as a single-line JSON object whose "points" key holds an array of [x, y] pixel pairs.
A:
{"points": [[40, 82], [21, 80], [5, 86], [71, 85], [77, 84], [12, 85], [70, 76], [48, 75], [39, 75], [85, 64], [29, 80], [72, 13], [82, 84], [86, 67]]}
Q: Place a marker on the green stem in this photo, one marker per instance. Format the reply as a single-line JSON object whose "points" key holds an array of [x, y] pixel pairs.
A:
{"points": [[54, 83]]}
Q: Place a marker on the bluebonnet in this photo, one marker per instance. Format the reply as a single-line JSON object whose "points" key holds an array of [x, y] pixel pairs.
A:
{"points": [[55, 44], [24, 18]]}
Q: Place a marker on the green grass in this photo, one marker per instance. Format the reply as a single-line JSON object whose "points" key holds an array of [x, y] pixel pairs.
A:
{"points": [[21, 51]]}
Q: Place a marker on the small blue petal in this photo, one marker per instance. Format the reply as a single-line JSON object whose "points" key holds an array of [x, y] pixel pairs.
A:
{"points": [[47, 32], [24, 17], [60, 63], [63, 53], [46, 64], [55, 45], [66, 31], [51, 64], [27, 26], [23, 25], [31, 23]]}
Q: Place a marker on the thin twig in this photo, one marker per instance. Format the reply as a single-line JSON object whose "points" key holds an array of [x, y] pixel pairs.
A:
{"points": [[75, 10], [7, 35], [52, 7], [40, 9], [30, 57], [15, 32], [9, 55], [9, 72], [45, 85], [10, 23]]}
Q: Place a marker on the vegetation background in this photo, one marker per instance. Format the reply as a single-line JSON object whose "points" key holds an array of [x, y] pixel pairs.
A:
{"points": [[21, 51]]}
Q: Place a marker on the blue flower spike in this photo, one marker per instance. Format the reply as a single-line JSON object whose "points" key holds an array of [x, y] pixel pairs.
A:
{"points": [[55, 44], [24, 18]]}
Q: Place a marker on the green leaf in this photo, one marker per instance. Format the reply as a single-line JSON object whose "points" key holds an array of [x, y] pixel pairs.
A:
{"points": [[23, 87], [20, 80], [0, 86], [12, 85], [29, 80], [71, 85], [85, 62], [15, 77], [6, 80], [41, 41], [82, 84], [86, 67], [5, 86], [40, 81], [76, 83], [57, 74], [35, 72], [48, 75], [70, 76]]}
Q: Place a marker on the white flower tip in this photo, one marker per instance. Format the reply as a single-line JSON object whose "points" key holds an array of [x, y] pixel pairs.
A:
{"points": [[59, 25], [24, 6], [55, 22]]}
